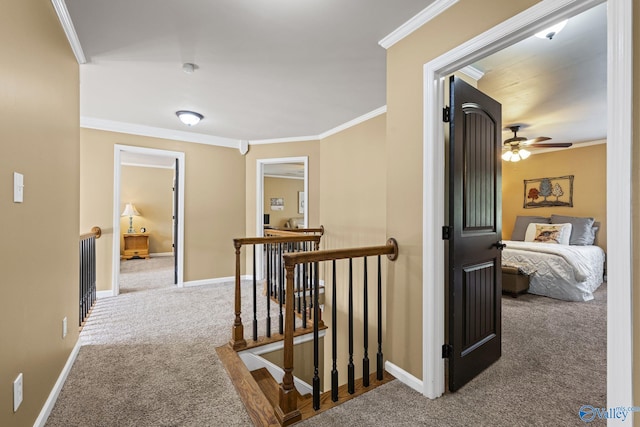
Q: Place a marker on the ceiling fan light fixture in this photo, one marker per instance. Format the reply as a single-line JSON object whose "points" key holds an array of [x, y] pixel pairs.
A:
{"points": [[515, 157], [506, 156], [189, 118], [549, 33], [524, 153]]}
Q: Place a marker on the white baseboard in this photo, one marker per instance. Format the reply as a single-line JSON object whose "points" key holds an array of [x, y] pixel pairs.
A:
{"points": [[159, 254], [404, 377], [104, 294], [53, 396]]}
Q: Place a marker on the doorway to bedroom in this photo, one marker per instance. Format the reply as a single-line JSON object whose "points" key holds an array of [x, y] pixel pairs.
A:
{"points": [[592, 205], [147, 219]]}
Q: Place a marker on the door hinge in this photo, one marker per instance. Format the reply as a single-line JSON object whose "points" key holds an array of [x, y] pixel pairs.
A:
{"points": [[446, 232], [447, 351], [446, 114]]}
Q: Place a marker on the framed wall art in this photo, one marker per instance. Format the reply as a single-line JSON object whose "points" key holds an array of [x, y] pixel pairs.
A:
{"points": [[548, 192]]}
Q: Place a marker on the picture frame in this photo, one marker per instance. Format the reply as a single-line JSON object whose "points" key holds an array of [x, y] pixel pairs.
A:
{"points": [[540, 192], [277, 203], [300, 202]]}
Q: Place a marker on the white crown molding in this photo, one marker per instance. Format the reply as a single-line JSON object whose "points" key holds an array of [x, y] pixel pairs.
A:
{"points": [[430, 12], [67, 25], [176, 135], [472, 72], [284, 140], [300, 178], [368, 116]]}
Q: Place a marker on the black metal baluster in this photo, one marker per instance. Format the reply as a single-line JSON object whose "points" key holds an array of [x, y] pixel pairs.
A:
{"points": [[269, 284], [304, 295], [379, 364], [255, 298], [334, 337], [316, 347], [351, 372], [365, 359], [280, 287], [298, 300], [80, 307], [93, 271]]}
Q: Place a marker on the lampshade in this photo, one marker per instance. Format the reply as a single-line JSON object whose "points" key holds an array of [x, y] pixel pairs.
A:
{"points": [[189, 118], [130, 210]]}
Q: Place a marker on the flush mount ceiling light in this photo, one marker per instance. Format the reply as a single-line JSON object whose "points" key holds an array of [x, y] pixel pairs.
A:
{"points": [[549, 33], [189, 118]]}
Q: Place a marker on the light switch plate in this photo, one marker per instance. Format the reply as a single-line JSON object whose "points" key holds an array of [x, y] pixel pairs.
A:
{"points": [[17, 392], [18, 187]]}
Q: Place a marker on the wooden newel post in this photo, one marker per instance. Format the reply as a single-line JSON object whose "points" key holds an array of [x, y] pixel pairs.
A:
{"points": [[287, 410], [237, 332]]}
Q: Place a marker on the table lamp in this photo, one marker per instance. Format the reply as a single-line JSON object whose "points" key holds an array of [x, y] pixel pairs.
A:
{"points": [[130, 211]]}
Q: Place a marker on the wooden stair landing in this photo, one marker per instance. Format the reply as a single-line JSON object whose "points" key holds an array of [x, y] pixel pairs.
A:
{"points": [[259, 391]]}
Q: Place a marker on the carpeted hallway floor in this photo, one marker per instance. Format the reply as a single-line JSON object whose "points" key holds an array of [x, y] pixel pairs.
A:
{"points": [[148, 359]]}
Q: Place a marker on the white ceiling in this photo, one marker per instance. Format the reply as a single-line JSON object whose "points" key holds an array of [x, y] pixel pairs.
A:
{"points": [[267, 69], [293, 68], [556, 88]]}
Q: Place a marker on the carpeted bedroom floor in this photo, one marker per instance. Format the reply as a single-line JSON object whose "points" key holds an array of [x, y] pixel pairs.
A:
{"points": [[148, 359]]}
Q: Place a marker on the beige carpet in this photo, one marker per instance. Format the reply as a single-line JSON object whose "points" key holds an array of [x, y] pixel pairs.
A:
{"points": [[148, 359]]}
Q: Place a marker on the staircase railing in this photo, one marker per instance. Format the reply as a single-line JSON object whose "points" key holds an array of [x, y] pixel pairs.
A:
{"points": [[287, 411], [87, 272], [272, 249]]}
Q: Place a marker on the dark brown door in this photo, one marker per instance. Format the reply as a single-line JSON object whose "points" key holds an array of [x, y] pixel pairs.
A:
{"points": [[475, 231]]}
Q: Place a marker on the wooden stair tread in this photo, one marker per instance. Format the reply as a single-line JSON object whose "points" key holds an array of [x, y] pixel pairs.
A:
{"points": [[268, 385], [259, 408]]}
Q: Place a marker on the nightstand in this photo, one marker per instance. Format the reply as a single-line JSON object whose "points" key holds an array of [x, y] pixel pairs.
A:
{"points": [[136, 245]]}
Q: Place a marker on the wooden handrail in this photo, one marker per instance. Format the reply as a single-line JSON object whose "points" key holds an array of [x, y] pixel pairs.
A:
{"points": [[95, 231], [287, 411], [390, 249]]}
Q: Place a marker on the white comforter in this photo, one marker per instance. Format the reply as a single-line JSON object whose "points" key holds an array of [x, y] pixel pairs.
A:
{"points": [[564, 272]]}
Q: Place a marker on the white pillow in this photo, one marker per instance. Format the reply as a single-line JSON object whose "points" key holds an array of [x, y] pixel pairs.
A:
{"points": [[548, 233]]}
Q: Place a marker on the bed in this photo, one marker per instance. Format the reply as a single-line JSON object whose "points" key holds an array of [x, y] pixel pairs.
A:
{"points": [[571, 268]]}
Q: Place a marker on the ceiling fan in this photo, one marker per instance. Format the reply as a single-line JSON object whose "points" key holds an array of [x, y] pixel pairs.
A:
{"points": [[514, 146]]}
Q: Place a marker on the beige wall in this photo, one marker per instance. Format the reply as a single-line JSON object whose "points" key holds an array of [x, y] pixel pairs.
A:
{"points": [[39, 136], [405, 61], [288, 190], [151, 192], [214, 201], [353, 195], [589, 167]]}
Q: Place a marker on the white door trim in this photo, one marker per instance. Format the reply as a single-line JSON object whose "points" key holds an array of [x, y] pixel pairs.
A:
{"points": [[117, 151], [260, 163], [620, 120]]}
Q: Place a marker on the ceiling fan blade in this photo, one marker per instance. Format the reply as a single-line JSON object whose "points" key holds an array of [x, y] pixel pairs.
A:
{"points": [[552, 145], [535, 140]]}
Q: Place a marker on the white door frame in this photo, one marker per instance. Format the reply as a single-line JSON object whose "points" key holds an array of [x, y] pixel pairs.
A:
{"points": [[260, 163], [619, 190], [179, 239]]}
